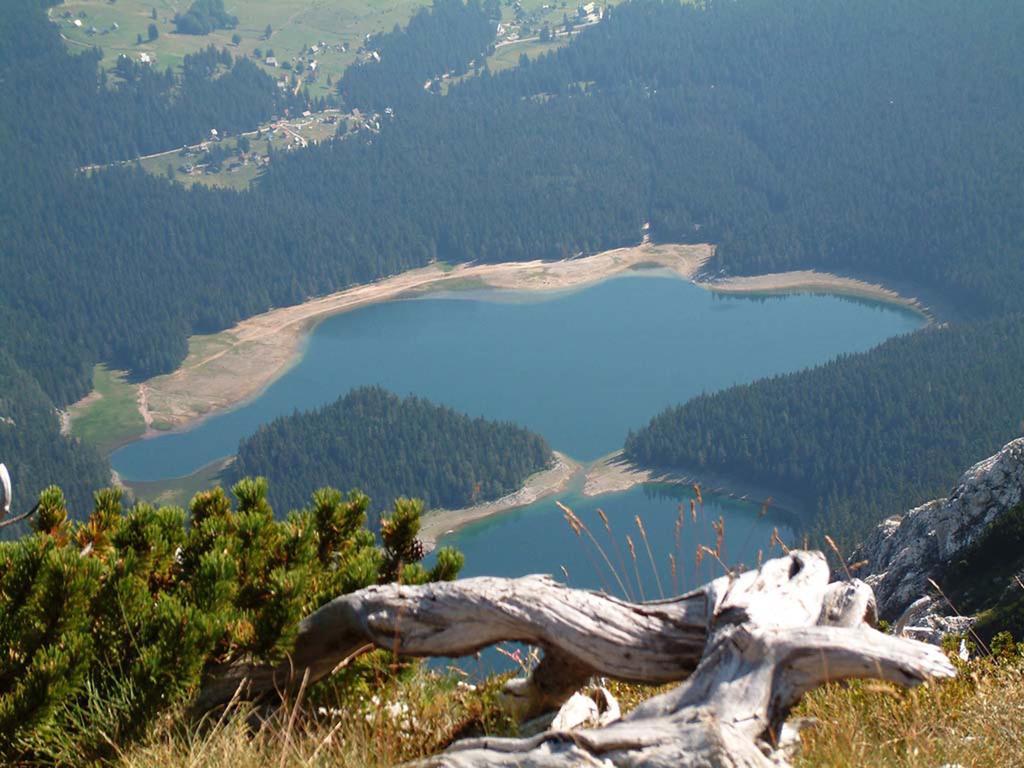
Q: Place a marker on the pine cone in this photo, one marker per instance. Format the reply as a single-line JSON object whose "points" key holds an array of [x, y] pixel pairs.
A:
{"points": [[414, 552]]}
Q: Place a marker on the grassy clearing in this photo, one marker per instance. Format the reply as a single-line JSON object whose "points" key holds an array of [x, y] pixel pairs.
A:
{"points": [[178, 491], [295, 24], [507, 56], [110, 416], [240, 171]]}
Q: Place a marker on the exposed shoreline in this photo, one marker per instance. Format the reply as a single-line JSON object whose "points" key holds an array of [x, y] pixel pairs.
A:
{"points": [[614, 473], [228, 369], [439, 522], [609, 474]]}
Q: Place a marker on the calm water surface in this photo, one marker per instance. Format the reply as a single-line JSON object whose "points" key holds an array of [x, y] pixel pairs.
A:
{"points": [[581, 369]]}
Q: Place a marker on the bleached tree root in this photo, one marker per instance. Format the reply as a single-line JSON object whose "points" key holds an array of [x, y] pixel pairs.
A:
{"points": [[583, 634], [750, 645]]}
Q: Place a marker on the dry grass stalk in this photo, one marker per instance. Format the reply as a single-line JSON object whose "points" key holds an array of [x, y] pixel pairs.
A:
{"points": [[650, 555], [579, 526], [618, 551], [636, 571]]}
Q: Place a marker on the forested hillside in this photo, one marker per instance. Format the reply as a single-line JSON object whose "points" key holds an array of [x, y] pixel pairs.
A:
{"points": [[437, 41], [66, 111], [864, 436], [34, 450], [389, 447], [873, 137]]}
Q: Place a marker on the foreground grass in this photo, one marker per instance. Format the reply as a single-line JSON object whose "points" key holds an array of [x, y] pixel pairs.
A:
{"points": [[372, 725], [110, 417], [975, 720]]}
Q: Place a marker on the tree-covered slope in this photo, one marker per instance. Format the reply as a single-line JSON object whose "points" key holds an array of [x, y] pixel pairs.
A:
{"points": [[35, 451], [873, 137], [861, 437], [756, 125], [387, 446], [438, 40]]}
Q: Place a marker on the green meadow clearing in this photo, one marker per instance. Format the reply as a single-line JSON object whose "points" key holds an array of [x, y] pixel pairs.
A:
{"points": [[115, 26], [110, 416], [296, 24]]}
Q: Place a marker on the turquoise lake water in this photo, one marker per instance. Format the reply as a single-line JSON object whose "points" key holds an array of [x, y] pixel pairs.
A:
{"points": [[580, 368]]}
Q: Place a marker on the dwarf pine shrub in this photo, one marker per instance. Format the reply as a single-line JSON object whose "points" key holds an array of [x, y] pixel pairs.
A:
{"points": [[107, 623]]}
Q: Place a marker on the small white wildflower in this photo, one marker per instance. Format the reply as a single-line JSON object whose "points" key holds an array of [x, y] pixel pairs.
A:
{"points": [[964, 654]]}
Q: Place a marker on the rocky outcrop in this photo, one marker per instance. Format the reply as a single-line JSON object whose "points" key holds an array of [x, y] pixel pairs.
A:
{"points": [[903, 553]]}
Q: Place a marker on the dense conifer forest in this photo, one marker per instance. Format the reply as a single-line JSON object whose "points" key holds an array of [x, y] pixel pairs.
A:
{"points": [[861, 437], [388, 447], [437, 41], [878, 138]]}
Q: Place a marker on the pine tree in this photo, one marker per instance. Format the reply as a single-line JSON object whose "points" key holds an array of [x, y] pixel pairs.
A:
{"points": [[109, 622]]}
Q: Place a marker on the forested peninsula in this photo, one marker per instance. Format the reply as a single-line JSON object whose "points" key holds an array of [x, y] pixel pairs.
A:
{"points": [[390, 447], [877, 138], [861, 437]]}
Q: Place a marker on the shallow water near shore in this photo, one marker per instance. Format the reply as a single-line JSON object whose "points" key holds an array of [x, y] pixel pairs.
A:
{"points": [[580, 368], [537, 539]]}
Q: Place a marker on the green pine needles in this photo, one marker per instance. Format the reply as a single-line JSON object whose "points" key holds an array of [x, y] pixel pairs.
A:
{"points": [[107, 623]]}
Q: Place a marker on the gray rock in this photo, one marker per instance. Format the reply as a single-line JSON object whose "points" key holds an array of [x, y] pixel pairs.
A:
{"points": [[903, 553]]}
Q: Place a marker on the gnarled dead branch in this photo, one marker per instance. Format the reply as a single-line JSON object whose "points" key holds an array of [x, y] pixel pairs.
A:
{"points": [[750, 645]]}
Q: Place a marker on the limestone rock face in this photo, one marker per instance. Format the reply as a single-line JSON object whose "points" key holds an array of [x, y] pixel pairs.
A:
{"points": [[904, 552]]}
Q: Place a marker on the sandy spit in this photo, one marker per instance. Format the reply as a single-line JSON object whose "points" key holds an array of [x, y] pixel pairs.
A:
{"points": [[554, 479]]}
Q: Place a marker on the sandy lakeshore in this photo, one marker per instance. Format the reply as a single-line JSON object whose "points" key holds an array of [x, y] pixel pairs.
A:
{"points": [[226, 369], [438, 522], [614, 473], [235, 365]]}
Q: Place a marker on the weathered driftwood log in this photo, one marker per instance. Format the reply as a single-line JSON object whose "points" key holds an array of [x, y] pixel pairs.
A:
{"points": [[583, 633], [774, 634], [751, 646]]}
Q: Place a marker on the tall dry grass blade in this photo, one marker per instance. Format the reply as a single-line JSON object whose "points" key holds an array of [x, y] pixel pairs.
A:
{"points": [[678, 541], [222, 721], [672, 568], [703, 549], [697, 493], [981, 643], [296, 707], [842, 560], [580, 527], [618, 551], [693, 510], [324, 742], [650, 555], [636, 571], [719, 528], [776, 539]]}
